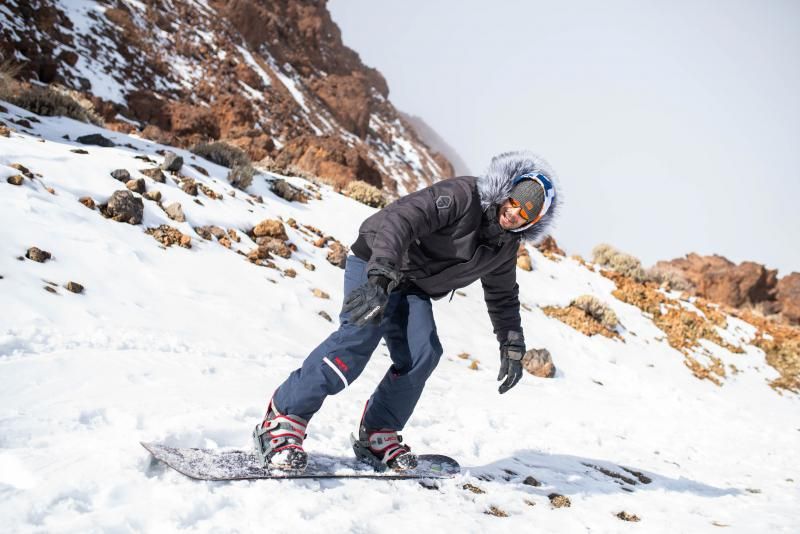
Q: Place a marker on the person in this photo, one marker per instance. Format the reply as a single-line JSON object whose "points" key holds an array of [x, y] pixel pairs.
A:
{"points": [[423, 246]]}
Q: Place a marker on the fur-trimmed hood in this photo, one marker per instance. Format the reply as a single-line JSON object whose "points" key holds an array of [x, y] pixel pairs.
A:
{"points": [[494, 187]]}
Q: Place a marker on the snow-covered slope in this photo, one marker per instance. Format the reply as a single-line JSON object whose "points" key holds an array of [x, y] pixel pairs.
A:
{"points": [[185, 346]]}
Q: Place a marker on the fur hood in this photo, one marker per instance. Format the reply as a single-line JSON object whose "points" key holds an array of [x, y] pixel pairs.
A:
{"points": [[494, 186]]}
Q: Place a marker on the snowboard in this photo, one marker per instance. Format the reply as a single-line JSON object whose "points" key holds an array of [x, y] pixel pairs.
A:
{"points": [[221, 465]]}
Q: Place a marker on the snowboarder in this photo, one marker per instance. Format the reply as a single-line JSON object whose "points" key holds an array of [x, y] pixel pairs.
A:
{"points": [[421, 247]]}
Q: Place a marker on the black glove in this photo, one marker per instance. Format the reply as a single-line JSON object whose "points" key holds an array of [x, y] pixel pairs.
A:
{"points": [[367, 301], [511, 352]]}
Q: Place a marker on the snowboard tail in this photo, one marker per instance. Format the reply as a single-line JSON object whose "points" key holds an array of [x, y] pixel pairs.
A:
{"points": [[220, 465]]}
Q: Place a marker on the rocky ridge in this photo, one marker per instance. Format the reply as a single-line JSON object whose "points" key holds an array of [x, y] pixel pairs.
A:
{"points": [[272, 78]]}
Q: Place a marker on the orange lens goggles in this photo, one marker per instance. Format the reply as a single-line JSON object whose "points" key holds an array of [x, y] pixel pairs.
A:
{"points": [[522, 212]]}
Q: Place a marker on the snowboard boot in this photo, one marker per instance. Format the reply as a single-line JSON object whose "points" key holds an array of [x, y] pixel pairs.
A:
{"points": [[279, 440], [382, 448]]}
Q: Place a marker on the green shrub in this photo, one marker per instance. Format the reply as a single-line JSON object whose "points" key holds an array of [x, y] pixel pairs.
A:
{"points": [[222, 154], [623, 263], [241, 176], [599, 311], [364, 193]]}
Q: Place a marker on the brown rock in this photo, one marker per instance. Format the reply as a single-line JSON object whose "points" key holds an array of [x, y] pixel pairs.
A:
{"points": [[175, 212], [153, 195], [154, 174], [189, 187], [172, 162], [75, 287], [225, 242], [524, 258], [320, 293], [549, 246], [720, 280], [308, 265], [626, 516], [216, 231], [286, 191], [275, 246], [5, 131], [788, 295], [270, 228], [79, 151], [539, 363], [168, 236], [122, 175], [137, 186], [337, 254], [23, 169], [123, 206], [233, 235], [17, 179], [290, 273], [38, 255], [203, 232], [325, 316], [559, 501], [259, 253], [87, 201]]}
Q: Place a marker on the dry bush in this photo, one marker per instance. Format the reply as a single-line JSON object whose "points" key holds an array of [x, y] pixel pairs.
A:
{"points": [[364, 193], [8, 71], [623, 263], [48, 101], [601, 313], [669, 279], [222, 154], [241, 176]]}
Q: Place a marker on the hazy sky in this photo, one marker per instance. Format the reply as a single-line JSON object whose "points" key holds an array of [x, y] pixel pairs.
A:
{"points": [[674, 126]]}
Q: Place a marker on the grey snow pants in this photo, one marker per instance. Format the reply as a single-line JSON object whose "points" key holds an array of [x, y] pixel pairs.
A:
{"points": [[410, 333]]}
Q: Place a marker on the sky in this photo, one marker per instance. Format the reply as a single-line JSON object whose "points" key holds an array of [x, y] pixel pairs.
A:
{"points": [[674, 127]]}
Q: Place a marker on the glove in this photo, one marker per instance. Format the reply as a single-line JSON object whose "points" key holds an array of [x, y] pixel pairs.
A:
{"points": [[368, 301], [511, 352]]}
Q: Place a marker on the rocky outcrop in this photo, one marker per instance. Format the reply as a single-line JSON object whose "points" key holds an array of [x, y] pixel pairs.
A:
{"points": [[273, 78], [788, 297]]}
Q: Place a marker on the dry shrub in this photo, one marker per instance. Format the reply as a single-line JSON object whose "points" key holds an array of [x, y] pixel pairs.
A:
{"points": [[608, 256], [48, 101], [602, 313], [364, 193], [781, 344], [669, 279], [222, 154], [241, 177]]}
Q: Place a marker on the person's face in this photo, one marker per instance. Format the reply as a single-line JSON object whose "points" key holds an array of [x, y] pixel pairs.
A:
{"points": [[509, 217]]}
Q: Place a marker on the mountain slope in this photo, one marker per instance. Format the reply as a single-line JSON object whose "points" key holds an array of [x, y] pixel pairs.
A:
{"points": [[185, 345]]}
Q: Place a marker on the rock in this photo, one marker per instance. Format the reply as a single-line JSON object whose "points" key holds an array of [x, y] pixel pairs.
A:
{"points": [[287, 191], [23, 169], [79, 151], [325, 316], [290, 273], [308, 265], [217, 232], [75, 287], [168, 236], [275, 246], [153, 195], [207, 191], [722, 281], [559, 501], [122, 175], [203, 232], [154, 174], [5, 131], [25, 123], [270, 228], [337, 254], [189, 187], [625, 516], [320, 293], [51, 289], [530, 481], [137, 186], [95, 139], [38, 255], [524, 258], [788, 296], [88, 202], [549, 246], [175, 212], [199, 169], [233, 235], [538, 362], [124, 206], [172, 162], [17, 179]]}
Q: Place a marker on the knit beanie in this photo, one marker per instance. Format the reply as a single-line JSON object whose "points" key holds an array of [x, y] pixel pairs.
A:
{"points": [[530, 195]]}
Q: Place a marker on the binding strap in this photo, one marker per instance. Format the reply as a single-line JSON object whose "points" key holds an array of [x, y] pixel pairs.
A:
{"points": [[386, 444]]}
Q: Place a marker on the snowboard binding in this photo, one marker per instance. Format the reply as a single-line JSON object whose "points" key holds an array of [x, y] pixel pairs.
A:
{"points": [[279, 441], [382, 448]]}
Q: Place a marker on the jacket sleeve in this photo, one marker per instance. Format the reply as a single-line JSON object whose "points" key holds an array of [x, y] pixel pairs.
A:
{"points": [[501, 292], [415, 215]]}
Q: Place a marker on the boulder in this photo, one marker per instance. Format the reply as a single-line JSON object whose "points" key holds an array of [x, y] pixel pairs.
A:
{"points": [[17, 179], [270, 228], [38, 255], [122, 175], [172, 162], [124, 206], [154, 174], [95, 139], [74, 287], [175, 212], [539, 363], [137, 186], [788, 295]]}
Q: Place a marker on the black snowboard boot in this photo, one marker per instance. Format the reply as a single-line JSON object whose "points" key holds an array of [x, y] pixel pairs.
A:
{"points": [[279, 440], [383, 448]]}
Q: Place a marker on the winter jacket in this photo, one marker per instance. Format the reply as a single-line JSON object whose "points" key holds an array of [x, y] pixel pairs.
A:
{"points": [[446, 236]]}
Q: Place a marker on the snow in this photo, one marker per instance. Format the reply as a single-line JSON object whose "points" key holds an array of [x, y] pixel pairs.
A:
{"points": [[248, 58], [185, 347]]}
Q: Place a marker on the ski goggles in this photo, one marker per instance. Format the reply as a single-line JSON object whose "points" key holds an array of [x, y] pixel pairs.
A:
{"points": [[549, 197]]}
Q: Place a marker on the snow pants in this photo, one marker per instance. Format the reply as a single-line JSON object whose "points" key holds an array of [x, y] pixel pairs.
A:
{"points": [[410, 333]]}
